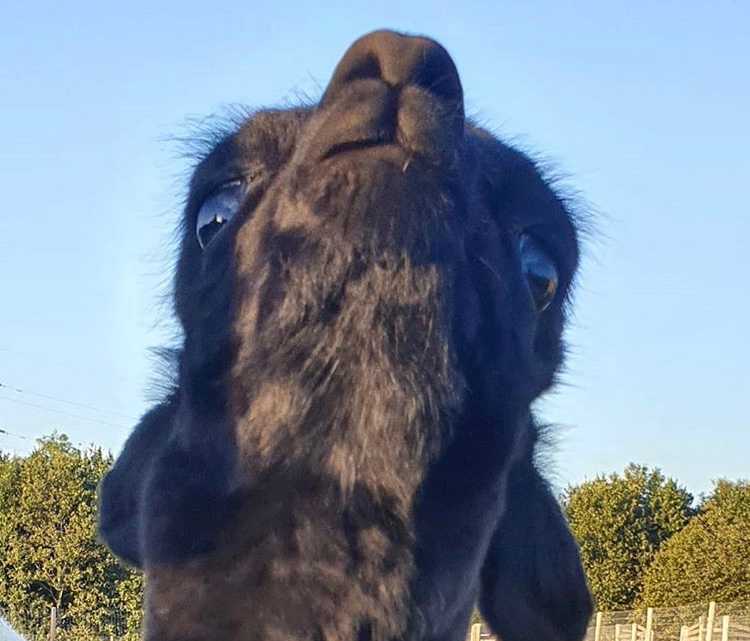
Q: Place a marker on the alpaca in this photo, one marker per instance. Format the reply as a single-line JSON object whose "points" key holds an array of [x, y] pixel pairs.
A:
{"points": [[372, 292]]}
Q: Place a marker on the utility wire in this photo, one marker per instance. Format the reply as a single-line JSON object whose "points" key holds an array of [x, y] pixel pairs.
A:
{"points": [[6, 432], [81, 446], [91, 372], [20, 390], [61, 412]]}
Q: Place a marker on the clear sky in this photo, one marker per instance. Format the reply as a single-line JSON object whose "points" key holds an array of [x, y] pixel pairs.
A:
{"points": [[644, 105]]}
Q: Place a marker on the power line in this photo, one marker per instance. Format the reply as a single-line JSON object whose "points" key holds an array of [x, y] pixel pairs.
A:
{"points": [[62, 413], [87, 370], [20, 390], [12, 450], [25, 438], [4, 448]]}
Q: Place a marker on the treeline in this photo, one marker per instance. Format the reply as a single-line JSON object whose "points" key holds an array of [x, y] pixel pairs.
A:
{"points": [[643, 542], [49, 551]]}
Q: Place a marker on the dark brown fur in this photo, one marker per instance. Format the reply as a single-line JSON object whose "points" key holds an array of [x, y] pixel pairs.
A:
{"points": [[361, 351]]}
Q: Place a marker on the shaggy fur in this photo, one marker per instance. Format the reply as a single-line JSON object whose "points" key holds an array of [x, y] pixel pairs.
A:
{"points": [[349, 451]]}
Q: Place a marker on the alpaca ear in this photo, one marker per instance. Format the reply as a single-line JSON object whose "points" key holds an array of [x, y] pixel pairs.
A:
{"points": [[164, 500], [122, 489], [533, 585]]}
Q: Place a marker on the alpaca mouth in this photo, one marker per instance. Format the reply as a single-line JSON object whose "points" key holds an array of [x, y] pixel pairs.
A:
{"points": [[408, 94], [357, 145]]}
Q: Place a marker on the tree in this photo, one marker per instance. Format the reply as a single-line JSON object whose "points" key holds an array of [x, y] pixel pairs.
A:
{"points": [[708, 559], [620, 523], [49, 553]]}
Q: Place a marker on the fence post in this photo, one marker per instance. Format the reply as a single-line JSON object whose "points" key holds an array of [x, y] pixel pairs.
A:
{"points": [[683, 633], [649, 624], [725, 628], [701, 627], [617, 632], [476, 630], [633, 632], [52, 623], [710, 621], [598, 627]]}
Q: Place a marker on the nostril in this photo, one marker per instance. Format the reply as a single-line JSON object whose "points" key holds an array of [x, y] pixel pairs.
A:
{"points": [[360, 68], [437, 73]]}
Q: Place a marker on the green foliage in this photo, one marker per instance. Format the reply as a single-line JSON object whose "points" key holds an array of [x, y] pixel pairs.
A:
{"points": [[709, 560], [641, 541], [49, 553], [620, 522]]}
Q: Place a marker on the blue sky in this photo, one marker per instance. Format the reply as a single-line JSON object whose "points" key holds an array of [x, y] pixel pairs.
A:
{"points": [[644, 105]]}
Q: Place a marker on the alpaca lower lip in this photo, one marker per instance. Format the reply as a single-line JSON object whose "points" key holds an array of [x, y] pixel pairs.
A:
{"points": [[355, 145]]}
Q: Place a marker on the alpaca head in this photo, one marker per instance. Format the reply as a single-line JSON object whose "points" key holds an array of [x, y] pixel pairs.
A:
{"points": [[372, 292]]}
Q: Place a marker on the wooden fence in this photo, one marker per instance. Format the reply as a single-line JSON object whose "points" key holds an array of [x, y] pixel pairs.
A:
{"points": [[711, 622], [717, 628]]}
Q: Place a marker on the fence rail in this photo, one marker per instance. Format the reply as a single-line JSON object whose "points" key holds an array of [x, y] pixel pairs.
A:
{"points": [[704, 622], [52, 624]]}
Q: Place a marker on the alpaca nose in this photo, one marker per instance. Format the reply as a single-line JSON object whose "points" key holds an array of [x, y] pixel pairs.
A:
{"points": [[399, 61]]}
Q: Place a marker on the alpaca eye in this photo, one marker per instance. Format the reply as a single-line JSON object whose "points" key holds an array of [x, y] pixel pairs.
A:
{"points": [[218, 209], [540, 271]]}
